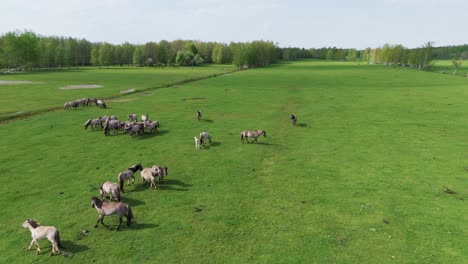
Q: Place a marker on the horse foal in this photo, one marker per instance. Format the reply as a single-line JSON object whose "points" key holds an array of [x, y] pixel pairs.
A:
{"points": [[39, 232]]}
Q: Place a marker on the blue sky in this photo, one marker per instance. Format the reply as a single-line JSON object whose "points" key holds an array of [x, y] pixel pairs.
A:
{"points": [[310, 24]]}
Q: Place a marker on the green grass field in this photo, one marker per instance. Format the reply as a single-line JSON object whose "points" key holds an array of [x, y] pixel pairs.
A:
{"points": [[359, 180], [45, 92], [446, 66]]}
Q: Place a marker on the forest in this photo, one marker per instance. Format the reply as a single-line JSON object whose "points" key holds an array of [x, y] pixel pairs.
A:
{"points": [[28, 50]]}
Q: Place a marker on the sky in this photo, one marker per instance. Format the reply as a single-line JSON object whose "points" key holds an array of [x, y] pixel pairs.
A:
{"points": [[290, 23]]}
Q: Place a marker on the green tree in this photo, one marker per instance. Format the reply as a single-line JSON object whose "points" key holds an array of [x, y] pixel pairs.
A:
{"points": [[106, 54], [138, 56], [95, 55]]}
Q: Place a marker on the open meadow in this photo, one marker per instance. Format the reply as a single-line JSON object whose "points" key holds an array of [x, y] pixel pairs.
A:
{"points": [[365, 176], [44, 90]]}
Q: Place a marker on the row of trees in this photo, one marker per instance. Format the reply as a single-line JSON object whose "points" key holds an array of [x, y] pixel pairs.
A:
{"points": [[397, 55], [25, 48]]}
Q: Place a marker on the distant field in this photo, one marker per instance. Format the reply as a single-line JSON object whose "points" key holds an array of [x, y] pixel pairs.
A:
{"points": [[446, 66], [45, 92], [361, 179]]}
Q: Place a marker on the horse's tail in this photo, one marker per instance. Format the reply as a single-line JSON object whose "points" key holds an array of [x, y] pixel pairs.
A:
{"points": [[129, 215], [242, 136], [57, 240], [87, 124], [118, 194], [121, 181]]}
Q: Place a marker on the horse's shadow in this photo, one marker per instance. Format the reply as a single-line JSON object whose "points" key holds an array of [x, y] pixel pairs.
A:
{"points": [[159, 133], [141, 187], [207, 120], [264, 143], [162, 132], [139, 226], [132, 202], [212, 144], [167, 185], [302, 125], [170, 188], [72, 248]]}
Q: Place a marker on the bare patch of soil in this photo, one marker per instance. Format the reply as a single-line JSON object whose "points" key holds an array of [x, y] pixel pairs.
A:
{"points": [[5, 82], [122, 100], [128, 91], [81, 86]]}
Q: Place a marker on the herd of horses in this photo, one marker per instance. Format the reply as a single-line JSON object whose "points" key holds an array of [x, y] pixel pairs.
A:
{"points": [[111, 190], [84, 102], [132, 126]]}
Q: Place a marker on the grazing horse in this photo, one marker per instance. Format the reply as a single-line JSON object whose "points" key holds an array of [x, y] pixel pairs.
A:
{"points": [[198, 114], [133, 118], [134, 129], [151, 126], [67, 105], [147, 174], [203, 137], [253, 134], [111, 188], [111, 124], [94, 123], [92, 100], [144, 118], [39, 232], [293, 119], [127, 174], [160, 172], [197, 143], [106, 209], [100, 103]]}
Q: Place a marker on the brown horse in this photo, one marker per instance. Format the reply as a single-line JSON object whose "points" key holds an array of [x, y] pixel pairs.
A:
{"points": [[252, 134], [293, 119], [106, 209], [198, 114], [39, 232]]}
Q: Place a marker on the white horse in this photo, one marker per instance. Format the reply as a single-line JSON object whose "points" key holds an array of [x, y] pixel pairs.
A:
{"points": [[147, 174], [197, 143], [111, 188], [39, 232], [100, 103]]}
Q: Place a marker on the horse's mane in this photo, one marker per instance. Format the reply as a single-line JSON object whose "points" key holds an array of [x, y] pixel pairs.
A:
{"points": [[135, 167], [96, 201], [33, 223]]}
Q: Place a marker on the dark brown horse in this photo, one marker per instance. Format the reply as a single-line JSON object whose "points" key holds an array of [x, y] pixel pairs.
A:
{"points": [[293, 119]]}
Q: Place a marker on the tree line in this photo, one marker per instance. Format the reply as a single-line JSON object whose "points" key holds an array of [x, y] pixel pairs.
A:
{"points": [[27, 49]]}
